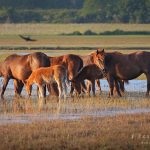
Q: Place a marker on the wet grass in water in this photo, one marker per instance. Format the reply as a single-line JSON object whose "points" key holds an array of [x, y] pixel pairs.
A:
{"points": [[130, 100]]}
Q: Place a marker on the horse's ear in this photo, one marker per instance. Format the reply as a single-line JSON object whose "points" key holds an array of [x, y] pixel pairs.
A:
{"points": [[100, 51], [97, 52]]}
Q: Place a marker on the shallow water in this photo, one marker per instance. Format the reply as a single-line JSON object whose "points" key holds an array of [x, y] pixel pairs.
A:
{"points": [[29, 118], [67, 111], [134, 85]]}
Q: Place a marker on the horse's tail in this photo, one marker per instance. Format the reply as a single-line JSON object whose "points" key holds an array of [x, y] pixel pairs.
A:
{"points": [[67, 78], [81, 64]]}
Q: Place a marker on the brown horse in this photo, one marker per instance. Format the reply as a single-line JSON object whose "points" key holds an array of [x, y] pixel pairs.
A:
{"points": [[44, 75], [120, 66], [90, 59], [91, 73], [19, 68], [72, 62]]}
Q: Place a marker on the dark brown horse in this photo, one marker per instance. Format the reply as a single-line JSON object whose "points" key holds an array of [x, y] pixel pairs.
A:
{"points": [[72, 62], [91, 73], [120, 66], [91, 59], [19, 68]]}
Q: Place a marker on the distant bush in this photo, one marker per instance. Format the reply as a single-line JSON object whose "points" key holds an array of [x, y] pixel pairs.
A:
{"points": [[73, 33], [77, 33], [121, 32], [115, 32], [89, 32]]}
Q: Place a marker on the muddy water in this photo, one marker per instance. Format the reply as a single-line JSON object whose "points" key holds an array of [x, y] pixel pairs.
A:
{"points": [[63, 111]]}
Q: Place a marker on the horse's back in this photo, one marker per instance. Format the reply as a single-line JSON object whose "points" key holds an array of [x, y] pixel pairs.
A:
{"points": [[38, 59], [73, 61], [91, 71], [21, 66], [87, 59]]}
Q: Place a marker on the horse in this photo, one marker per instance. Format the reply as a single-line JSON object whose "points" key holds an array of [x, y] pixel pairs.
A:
{"points": [[44, 75], [72, 62], [90, 72], [19, 68], [120, 66], [87, 60]]}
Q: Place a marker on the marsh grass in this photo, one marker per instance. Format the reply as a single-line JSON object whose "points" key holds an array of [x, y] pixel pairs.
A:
{"points": [[118, 132], [83, 105]]}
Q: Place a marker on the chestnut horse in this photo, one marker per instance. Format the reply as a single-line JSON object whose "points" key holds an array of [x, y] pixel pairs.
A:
{"points": [[45, 75], [120, 66], [72, 62], [19, 68], [91, 73]]}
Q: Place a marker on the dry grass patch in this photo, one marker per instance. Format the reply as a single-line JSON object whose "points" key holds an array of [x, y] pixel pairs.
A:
{"points": [[119, 132]]}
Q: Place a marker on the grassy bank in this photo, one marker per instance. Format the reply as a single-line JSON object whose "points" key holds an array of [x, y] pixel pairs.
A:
{"points": [[49, 36], [55, 29], [49, 42], [119, 132]]}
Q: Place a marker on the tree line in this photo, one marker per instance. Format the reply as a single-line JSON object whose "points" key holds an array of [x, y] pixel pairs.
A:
{"points": [[75, 11]]}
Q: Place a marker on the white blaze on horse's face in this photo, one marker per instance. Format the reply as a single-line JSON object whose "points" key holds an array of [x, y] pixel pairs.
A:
{"points": [[100, 54]]}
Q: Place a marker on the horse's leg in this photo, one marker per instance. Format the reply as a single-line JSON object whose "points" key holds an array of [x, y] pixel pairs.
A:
{"points": [[117, 88], [88, 87], [41, 93], [64, 88], [98, 84], [84, 88], [37, 91], [5, 83], [148, 84], [111, 84], [60, 88], [121, 85], [44, 90], [18, 86], [93, 87], [71, 90]]}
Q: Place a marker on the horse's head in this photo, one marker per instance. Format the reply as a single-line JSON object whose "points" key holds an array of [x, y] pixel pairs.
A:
{"points": [[100, 56]]}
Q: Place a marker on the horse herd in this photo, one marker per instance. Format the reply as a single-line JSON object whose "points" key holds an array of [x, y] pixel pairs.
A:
{"points": [[56, 73]]}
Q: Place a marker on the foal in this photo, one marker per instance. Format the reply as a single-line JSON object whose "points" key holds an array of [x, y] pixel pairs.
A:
{"points": [[44, 75], [91, 73]]}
